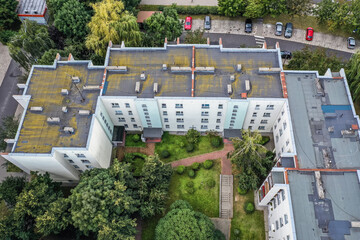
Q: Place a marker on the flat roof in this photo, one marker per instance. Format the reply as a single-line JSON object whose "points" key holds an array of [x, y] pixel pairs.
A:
{"points": [[328, 218], [39, 136], [31, 7], [319, 120], [206, 84]]}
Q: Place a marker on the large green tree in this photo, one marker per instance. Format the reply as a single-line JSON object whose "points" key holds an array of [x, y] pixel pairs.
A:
{"points": [[10, 189], [275, 7], [299, 7], [254, 9], [111, 23], [353, 75], [162, 25], [8, 16], [232, 8]]}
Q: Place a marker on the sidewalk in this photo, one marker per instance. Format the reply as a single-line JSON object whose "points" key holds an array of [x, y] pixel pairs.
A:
{"points": [[5, 61], [268, 30]]}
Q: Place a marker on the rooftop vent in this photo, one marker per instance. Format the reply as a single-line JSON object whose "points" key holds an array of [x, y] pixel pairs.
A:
{"points": [[137, 87], [35, 12], [69, 130], [84, 112], [75, 79], [232, 78], [64, 92], [143, 76], [91, 87], [117, 68], [36, 109], [238, 68], [164, 67], [53, 120], [26, 11], [247, 85], [180, 69], [64, 109], [269, 70], [229, 89], [205, 69], [155, 87]]}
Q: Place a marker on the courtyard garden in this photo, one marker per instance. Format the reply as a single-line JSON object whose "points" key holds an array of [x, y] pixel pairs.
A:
{"points": [[134, 140]]}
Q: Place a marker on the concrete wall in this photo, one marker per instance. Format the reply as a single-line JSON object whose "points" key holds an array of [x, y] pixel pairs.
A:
{"points": [[104, 119]]}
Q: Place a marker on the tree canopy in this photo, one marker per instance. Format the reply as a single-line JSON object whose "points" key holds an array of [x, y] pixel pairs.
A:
{"points": [[232, 8], [7, 130], [353, 75], [10, 188], [8, 16]]}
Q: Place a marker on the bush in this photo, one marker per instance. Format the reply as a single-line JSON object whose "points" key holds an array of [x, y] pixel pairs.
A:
{"points": [[215, 142], [218, 235], [210, 183], [192, 136], [237, 232], [208, 164], [136, 138], [180, 204], [195, 166], [242, 191], [190, 190], [249, 207], [6, 35], [190, 184], [190, 147], [180, 169], [191, 173], [264, 140], [165, 154]]}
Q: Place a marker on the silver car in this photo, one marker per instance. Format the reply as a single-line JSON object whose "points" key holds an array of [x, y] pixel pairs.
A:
{"points": [[207, 23], [278, 29], [351, 43]]}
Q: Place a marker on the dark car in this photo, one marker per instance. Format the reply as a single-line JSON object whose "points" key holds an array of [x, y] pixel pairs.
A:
{"points": [[288, 30], [248, 26], [309, 34], [278, 29], [207, 23], [286, 55], [351, 43]]}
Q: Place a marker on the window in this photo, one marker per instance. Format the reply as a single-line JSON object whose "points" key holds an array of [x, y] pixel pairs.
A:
{"points": [[145, 110], [180, 126], [147, 117], [234, 110], [127, 105], [115, 105], [126, 126], [76, 166], [163, 105], [234, 114], [275, 126], [130, 113], [231, 124], [252, 121], [167, 126], [282, 149], [270, 107], [80, 171], [165, 113], [220, 106], [218, 120], [282, 113], [80, 155], [277, 138], [135, 125], [266, 115], [254, 114], [283, 195], [257, 107], [232, 121], [279, 119], [261, 128], [274, 203], [219, 114], [286, 218], [65, 155], [89, 166], [277, 224], [85, 161], [288, 237], [70, 161], [143, 105], [284, 125], [236, 106], [118, 112], [204, 120], [278, 198], [121, 119], [280, 132], [166, 120], [179, 120], [179, 113], [205, 106], [233, 118], [281, 222], [264, 121], [204, 127], [250, 128], [132, 119], [204, 113], [178, 105], [148, 120], [217, 127], [287, 142]]}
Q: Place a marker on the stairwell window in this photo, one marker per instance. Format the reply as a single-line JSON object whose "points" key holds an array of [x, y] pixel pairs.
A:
{"points": [[220, 106], [218, 120], [219, 114], [217, 127], [163, 105]]}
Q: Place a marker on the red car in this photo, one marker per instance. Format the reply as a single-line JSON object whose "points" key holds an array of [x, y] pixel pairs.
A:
{"points": [[188, 23], [309, 33]]}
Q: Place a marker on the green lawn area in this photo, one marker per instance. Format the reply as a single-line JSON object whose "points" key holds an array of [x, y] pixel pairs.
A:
{"points": [[173, 143], [205, 200], [251, 226], [131, 142]]}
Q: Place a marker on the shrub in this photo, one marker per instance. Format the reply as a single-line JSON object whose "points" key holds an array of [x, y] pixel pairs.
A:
{"points": [[215, 142], [181, 144], [249, 207], [192, 136], [6, 35], [210, 183], [191, 173], [195, 166], [136, 138], [190, 184], [190, 147], [190, 190], [180, 169], [180, 204], [237, 232], [242, 191], [264, 140], [208, 164], [165, 154]]}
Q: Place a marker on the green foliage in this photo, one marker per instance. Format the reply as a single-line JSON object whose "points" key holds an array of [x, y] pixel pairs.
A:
{"points": [[153, 187], [242, 191], [184, 223], [210, 183], [192, 136], [195, 166], [133, 140], [275, 7], [6, 35], [190, 190], [162, 25], [180, 169], [165, 154], [298, 7], [190, 147], [191, 10], [130, 5], [353, 75], [137, 161], [191, 173], [232, 8], [326, 10], [190, 184], [314, 59], [218, 235], [208, 164], [7, 130], [49, 56], [136, 137], [249, 207], [254, 9], [264, 140], [195, 37], [8, 17], [181, 204], [10, 188], [215, 142], [248, 181]]}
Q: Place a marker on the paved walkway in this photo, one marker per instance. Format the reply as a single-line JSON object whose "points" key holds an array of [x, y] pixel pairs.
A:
{"points": [[223, 225], [5, 61], [226, 196]]}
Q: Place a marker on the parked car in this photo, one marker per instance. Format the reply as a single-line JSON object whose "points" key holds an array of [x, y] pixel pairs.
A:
{"points": [[248, 26], [286, 55], [351, 43], [288, 30], [309, 34], [207, 23], [188, 23], [278, 29]]}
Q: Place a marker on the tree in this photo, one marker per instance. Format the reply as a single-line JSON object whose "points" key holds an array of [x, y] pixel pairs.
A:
{"points": [[111, 23], [8, 130], [195, 37], [192, 136], [162, 25], [314, 59], [298, 7], [8, 17], [10, 188], [153, 186], [232, 8], [49, 56], [183, 223], [325, 10], [54, 6], [275, 7], [72, 19], [103, 202], [353, 75], [254, 9]]}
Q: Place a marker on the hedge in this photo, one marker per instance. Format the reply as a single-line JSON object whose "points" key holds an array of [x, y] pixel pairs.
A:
{"points": [[249, 207], [191, 173], [193, 10], [208, 164]]}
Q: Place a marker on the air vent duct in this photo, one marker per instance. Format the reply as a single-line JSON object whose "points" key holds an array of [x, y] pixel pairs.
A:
{"points": [[53, 120], [36, 109], [69, 130]]}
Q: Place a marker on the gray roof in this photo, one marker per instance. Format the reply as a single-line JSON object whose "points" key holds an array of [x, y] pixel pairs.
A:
{"points": [[152, 132], [230, 133], [32, 7]]}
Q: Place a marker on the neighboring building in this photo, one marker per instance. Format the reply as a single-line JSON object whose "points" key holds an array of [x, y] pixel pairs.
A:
{"points": [[34, 10]]}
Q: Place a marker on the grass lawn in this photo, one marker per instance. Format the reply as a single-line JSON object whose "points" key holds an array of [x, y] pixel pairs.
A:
{"points": [[173, 143], [12, 168], [205, 200], [129, 141]]}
